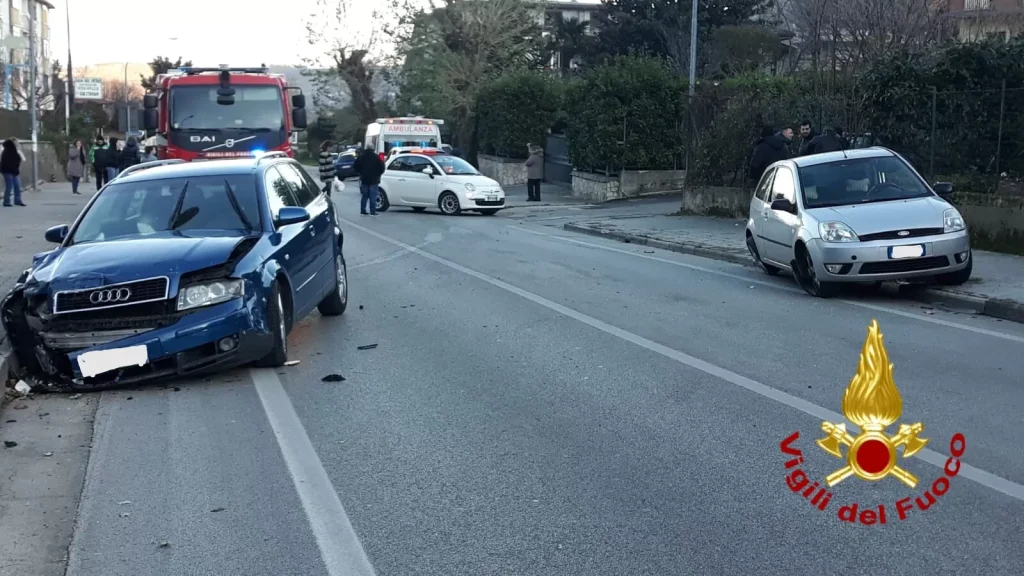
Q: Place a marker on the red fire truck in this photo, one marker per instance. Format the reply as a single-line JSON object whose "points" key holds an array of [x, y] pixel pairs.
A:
{"points": [[210, 113]]}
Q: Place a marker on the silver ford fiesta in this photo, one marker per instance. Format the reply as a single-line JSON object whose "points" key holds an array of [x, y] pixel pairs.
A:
{"points": [[855, 216]]}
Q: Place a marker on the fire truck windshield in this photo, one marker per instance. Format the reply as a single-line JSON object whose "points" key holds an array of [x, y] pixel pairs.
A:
{"points": [[255, 108]]}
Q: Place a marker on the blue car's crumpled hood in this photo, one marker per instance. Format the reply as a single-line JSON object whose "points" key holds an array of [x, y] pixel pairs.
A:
{"points": [[123, 260]]}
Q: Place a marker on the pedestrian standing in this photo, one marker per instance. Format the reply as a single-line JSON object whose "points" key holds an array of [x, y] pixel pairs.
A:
{"points": [[769, 148], [76, 165], [534, 172], [110, 159], [129, 155], [96, 157], [369, 167], [10, 167], [326, 163], [148, 154], [807, 135]]}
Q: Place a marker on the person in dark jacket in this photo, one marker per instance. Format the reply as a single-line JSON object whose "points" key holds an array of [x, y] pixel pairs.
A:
{"points": [[10, 167], [326, 163], [129, 155], [828, 141], [107, 158], [807, 135], [369, 167], [768, 150], [842, 139], [98, 167]]}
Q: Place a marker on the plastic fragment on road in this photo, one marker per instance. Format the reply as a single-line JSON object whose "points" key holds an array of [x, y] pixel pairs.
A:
{"points": [[292, 362], [22, 388], [333, 378], [368, 347]]}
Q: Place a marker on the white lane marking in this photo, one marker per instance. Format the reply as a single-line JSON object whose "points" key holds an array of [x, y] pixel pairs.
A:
{"points": [[928, 455], [875, 307], [387, 258], [340, 549]]}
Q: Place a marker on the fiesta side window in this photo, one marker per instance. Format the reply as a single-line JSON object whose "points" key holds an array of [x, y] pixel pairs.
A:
{"points": [[765, 186], [784, 186]]}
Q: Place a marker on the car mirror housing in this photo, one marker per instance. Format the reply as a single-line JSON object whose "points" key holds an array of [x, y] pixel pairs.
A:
{"points": [[291, 215], [57, 234], [943, 188], [783, 205]]}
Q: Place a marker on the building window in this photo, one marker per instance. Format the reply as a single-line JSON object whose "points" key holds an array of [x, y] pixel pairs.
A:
{"points": [[976, 5]]}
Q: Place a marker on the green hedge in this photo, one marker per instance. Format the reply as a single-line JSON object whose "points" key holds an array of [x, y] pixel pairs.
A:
{"points": [[626, 114], [515, 110]]}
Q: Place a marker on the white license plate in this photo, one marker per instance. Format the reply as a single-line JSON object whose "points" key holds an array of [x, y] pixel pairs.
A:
{"points": [[100, 361], [492, 198], [915, 251]]}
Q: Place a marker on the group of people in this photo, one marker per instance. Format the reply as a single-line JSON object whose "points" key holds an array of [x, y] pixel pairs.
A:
{"points": [[774, 145], [368, 166], [107, 157]]}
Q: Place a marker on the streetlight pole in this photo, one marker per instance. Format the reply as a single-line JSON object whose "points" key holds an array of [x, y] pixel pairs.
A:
{"points": [[69, 87], [127, 112], [32, 92]]}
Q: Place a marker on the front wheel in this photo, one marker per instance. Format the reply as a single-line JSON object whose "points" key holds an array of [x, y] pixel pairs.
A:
{"points": [[960, 276], [277, 321], [448, 202], [336, 302], [809, 280], [382, 200]]}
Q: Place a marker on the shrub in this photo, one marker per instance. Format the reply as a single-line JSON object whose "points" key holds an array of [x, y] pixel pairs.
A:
{"points": [[625, 114], [517, 109]]}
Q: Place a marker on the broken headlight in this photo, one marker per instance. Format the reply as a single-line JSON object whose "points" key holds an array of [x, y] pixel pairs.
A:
{"points": [[207, 293]]}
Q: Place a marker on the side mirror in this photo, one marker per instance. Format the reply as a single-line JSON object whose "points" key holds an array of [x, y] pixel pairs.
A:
{"points": [[298, 101], [299, 118], [57, 234], [291, 215], [943, 188], [783, 205], [150, 119], [428, 172], [149, 101]]}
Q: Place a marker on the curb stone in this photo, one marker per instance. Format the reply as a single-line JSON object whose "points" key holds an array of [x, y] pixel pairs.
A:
{"points": [[1003, 309]]}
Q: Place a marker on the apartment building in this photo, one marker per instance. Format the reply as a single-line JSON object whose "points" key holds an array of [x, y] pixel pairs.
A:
{"points": [[15, 20], [553, 13], [987, 19]]}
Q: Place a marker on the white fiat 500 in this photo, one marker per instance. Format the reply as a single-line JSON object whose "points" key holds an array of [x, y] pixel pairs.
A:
{"points": [[448, 183]]}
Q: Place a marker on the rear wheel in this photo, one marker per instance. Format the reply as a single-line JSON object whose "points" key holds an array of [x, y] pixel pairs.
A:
{"points": [[382, 200], [448, 202], [752, 248], [277, 320], [336, 302]]}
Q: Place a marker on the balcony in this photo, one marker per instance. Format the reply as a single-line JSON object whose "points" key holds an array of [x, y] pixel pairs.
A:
{"points": [[971, 5]]}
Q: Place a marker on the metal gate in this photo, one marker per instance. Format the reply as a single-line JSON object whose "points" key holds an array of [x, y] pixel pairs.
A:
{"points": [[557, 167]]}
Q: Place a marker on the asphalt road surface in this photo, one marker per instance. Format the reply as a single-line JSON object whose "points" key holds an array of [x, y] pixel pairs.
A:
{"points": [[545, 403]]}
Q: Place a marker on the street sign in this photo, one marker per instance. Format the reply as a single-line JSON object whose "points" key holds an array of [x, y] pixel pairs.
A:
{"points": [[88, 88]]}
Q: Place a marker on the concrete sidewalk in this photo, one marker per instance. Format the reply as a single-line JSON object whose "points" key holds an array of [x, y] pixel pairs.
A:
{"points": [[550, 195], [21, 234], [996, 287]]}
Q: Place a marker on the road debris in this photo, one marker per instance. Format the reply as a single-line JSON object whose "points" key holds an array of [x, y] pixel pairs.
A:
{"points": [[368, 347], [124, 502], [333, 378], [10, 422], [125, 514], [74, 397], [22, 388], [292, 362], [10, 443], [217, 509], [360, 306], [163, 545], [48, 454], [20, 407]]}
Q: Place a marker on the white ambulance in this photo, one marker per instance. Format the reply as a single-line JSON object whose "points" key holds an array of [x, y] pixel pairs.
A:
{"points": [[409, 131]]}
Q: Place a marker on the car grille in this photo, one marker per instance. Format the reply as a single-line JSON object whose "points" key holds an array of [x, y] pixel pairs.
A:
{"points": [[895, 234], [909, 265], [490, 202], [111, 296]]}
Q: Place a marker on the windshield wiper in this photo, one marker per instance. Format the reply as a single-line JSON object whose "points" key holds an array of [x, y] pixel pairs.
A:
{"points": [[173, 223], [245, 129], [237, 207]]}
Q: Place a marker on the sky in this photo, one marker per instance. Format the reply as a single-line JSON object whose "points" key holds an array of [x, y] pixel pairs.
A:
{"points": [[209, 32]]}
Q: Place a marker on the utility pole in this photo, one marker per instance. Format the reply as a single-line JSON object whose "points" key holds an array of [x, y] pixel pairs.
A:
{"points": [[693, 48], [32, 7], [127, 112], [69, 87]]}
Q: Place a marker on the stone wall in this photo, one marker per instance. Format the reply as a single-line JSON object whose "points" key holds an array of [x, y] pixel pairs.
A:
{"points": [[506, 171], [50, 168], [719, 201], [628, 184]]}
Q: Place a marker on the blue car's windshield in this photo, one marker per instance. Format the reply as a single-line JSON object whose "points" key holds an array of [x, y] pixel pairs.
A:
{"points": [[200, 203]]}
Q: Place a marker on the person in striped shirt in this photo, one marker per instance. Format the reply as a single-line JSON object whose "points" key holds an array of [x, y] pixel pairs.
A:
{"points": [[326, 166]]}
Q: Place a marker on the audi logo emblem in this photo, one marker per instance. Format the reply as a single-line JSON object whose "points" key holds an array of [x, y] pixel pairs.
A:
{"points": [[110, 296]]}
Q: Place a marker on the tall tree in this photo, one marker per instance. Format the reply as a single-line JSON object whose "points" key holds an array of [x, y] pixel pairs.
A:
{"points": [[161, 65]]}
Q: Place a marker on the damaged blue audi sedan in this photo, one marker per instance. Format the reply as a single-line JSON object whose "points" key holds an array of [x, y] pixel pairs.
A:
{"points": [[178, 268]]}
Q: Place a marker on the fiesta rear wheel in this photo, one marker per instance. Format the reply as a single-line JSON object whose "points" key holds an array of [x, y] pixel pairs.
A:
{"points": [[448, 202], [278, 324]]}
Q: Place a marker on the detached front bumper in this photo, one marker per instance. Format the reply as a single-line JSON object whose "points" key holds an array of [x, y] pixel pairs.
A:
{"points": [[871, 262]]}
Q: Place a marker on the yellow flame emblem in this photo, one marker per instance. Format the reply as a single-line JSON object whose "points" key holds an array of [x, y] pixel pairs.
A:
{"points": [[873, 403]]}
